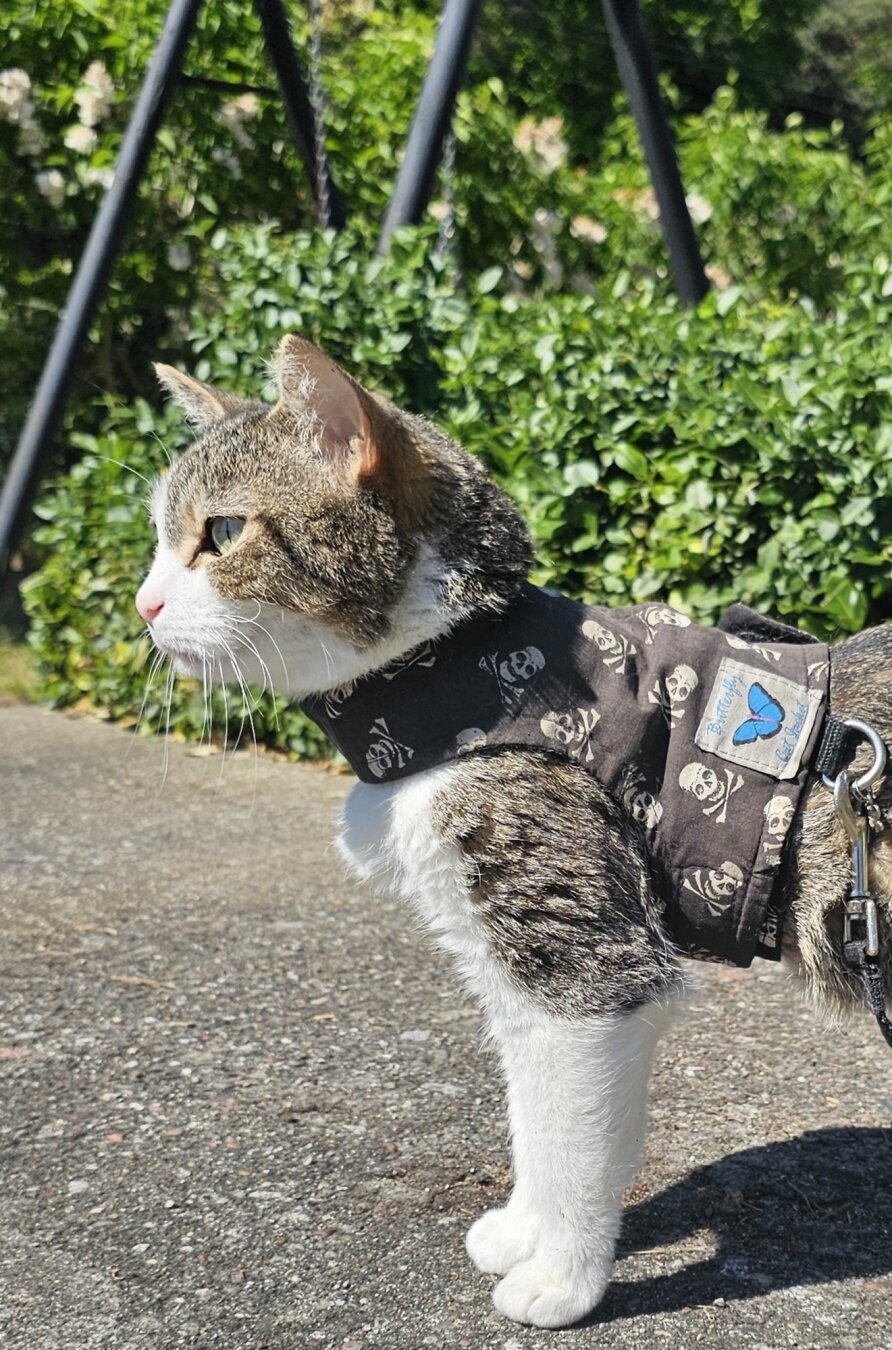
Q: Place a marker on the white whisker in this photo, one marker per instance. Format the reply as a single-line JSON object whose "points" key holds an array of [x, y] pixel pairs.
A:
{"points": [[269, 635], [170, 679], [167, 454], [225, 716], [136, 473]]}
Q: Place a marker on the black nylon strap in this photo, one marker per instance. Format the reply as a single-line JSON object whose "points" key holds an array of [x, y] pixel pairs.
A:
{"points": [[836, 748]]}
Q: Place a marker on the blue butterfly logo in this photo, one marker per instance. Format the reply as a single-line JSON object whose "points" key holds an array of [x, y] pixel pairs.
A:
{"points": [[766, 720]]}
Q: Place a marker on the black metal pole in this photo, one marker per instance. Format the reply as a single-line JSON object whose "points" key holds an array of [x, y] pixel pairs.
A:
{"points": [[298, 106], [433, 115], [101, 249], [636, 68]]}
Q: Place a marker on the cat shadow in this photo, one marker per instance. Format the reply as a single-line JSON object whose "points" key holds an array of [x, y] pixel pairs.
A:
{"points": [[803, 1211]]}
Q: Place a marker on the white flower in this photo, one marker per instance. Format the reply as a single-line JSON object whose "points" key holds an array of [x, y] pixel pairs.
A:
{"points": [[51, 184], [699, 208], [96, 95], [646, 203], [542, 143], [99, 177], [17, 107], [234, 114], [587, 230], [82, 140], [178, 257], [15, 88], [718, 276]]}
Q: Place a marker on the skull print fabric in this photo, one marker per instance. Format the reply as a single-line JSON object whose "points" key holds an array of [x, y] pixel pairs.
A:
{"points": [[704, 735]]}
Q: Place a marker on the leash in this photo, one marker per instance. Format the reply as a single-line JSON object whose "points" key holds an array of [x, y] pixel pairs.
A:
{"points": [[859, 812]]}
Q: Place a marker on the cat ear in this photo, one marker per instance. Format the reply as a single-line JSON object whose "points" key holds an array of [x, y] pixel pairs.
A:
{"points": [[202, 404], [310, 383]]}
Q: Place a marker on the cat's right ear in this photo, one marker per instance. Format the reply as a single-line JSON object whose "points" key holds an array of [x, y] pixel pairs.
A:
{"points": [[202, 404]]}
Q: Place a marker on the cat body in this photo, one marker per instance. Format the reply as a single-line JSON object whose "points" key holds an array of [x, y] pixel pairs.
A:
{"points": [[312, 543]]}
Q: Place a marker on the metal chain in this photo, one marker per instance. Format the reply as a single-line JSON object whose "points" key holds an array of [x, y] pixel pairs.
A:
{"points": [[317, 95], [446, 232]]}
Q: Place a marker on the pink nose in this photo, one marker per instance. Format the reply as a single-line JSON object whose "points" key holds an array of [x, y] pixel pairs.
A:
{"points": [[148, 604]]}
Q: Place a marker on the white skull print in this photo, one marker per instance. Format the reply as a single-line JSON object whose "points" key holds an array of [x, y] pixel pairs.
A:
{"points": [[712, 794], [522, 665], [386, 753], [778, 813], [573, 730], [657, 616], [639, 800], [670, 693], [472, 738], [645, 808], [513, 673], [558, 727], [616, 649], [715, 886], [681, 683], [722, 882]]}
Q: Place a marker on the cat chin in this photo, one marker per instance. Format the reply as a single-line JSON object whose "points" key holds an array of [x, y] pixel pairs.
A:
{"points": [[191, 667]]}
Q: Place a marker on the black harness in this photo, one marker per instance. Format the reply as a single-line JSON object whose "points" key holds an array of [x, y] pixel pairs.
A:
{"points": [[704, 734]]}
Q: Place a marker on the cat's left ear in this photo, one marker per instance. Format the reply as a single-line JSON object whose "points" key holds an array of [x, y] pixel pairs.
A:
{"points": [[344, 414], [202, 404]]}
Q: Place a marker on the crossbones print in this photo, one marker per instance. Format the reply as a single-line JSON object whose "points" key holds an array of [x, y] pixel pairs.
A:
{"points": [[386, 752], [335, 697], [766, 653], [573, 731], [714, 886], [617, 648], [654, 616], [712, 794], [672, 691], [639, 801], [513, 673], [423, 656]]}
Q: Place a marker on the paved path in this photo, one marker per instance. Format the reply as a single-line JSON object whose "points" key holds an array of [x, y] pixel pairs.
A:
{"points": [[243, 1105]]}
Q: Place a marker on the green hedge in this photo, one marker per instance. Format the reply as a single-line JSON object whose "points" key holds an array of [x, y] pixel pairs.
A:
{"points": [[743, 451]]}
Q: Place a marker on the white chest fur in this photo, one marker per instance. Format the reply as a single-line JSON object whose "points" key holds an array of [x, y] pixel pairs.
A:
{"points": [[390, 836]]}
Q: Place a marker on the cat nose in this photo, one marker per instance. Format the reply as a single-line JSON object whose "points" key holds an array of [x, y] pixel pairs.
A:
{"points": [[148, 604]]}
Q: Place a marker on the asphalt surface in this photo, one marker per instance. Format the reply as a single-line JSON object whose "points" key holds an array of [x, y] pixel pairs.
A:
{"points": [[245, 1106]]}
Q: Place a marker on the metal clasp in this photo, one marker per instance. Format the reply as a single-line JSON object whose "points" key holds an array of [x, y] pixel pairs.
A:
{"points": [[862, 785], [858, 811]]}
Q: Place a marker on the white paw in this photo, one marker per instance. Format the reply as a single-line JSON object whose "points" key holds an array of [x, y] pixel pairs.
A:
{"points": [[497, 1241], [532, 1293]]}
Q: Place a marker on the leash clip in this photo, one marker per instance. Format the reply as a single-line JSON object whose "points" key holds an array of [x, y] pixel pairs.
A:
{"points": [[859, 813], [856, 817]]}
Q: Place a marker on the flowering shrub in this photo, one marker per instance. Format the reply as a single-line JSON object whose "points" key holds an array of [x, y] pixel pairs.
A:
{"points": [[550, 183], [730, 453], [743, 451]]}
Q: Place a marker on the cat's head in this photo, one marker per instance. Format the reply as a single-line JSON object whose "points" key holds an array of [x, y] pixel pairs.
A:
{"points": [[307, 543]]}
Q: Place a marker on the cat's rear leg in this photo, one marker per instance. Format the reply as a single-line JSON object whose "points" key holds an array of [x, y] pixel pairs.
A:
{"points": [[577, 1095]]}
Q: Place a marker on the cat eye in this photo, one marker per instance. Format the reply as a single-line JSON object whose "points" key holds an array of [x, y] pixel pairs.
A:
{"points": [[223, 532]]}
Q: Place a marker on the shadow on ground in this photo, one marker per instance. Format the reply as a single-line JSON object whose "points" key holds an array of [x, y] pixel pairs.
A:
{"points": [[811, 1210]]}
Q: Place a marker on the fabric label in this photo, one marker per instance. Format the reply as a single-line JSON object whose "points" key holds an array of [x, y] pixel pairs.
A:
{"points": [[758, 719]]}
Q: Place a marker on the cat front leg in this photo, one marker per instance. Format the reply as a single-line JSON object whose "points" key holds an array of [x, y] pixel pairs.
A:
{"points": [[576, 1102]]}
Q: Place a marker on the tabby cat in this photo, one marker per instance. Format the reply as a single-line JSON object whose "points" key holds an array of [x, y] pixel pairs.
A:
{"points": [[312, 542]]}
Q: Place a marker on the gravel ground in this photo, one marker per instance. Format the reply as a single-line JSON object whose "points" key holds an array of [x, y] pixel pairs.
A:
{"points": [[244, 1105]]}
